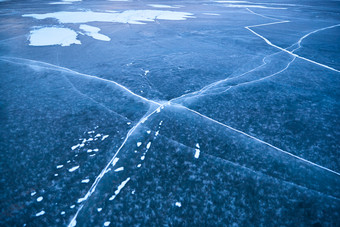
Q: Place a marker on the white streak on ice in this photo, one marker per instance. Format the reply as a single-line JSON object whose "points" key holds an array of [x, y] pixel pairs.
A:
{"points": [[120, 187]]}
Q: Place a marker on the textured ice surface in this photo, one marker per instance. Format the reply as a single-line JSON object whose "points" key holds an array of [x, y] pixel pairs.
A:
{"points": [[229, 118]]}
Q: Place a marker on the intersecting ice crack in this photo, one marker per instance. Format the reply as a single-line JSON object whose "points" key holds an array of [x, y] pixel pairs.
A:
{"points": [[157, 105]]}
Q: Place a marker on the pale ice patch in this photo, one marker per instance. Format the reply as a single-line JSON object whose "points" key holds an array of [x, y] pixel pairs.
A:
{"points": [[128, 16], [93, 32], [40, 198], [53, 36], [107, 223], [178, 204], [99, 209], [138, 144], [60, 166], [104, 137]]}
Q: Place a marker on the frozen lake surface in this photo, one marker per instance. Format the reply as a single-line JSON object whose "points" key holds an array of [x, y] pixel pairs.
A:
{"points": [[170, 113]]}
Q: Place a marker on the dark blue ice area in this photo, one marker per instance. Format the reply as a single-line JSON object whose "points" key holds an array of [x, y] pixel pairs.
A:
{"points": [[228, 118]]}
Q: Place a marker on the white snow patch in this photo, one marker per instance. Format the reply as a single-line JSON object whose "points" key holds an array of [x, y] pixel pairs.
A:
{"points": [[40, 213], [104, 137], [94, 32], [178, 204], [148, 145], [139, 165], [73, 206], [75, 147], [148, 132], [142, 158], [40, 198], [62, 213], [85, 181], [33, 193], [114, 162], [139, 143], [99, 209], [73, 169], [48, 36], [119, 169], [197, 153], [107, 223]]}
